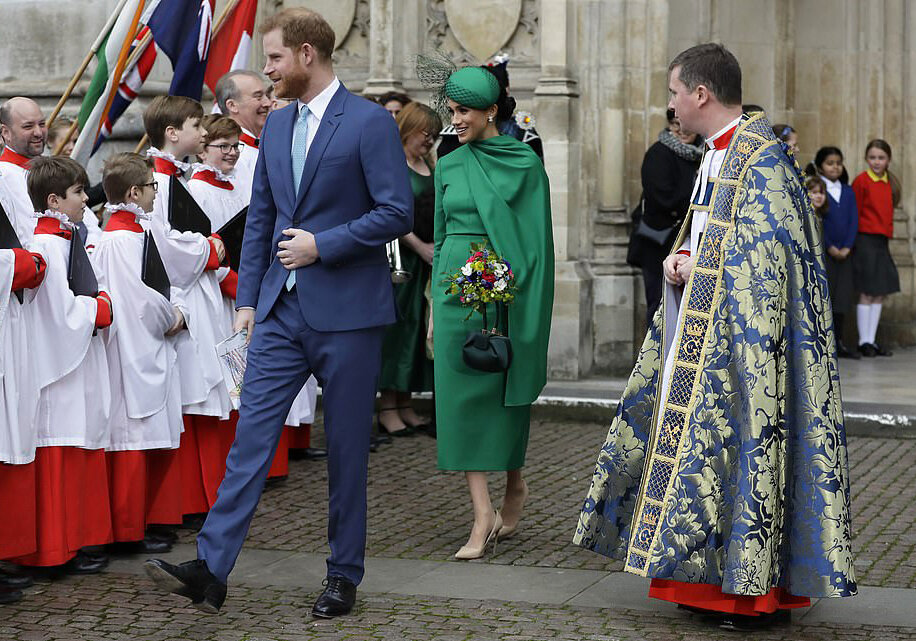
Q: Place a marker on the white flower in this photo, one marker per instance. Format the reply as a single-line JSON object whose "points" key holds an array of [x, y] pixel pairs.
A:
{"points": [[467, 270], [499, 285]]}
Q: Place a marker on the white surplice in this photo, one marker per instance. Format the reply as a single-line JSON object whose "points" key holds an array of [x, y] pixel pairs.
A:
{"points": [[709, 170], [18, 380], [17, 203], [143, 363], [72, 365], [244, 167], [185, 255]]}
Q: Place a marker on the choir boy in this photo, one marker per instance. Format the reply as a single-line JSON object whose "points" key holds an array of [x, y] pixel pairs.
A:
{"points": [[173, 124], [145, 385]]}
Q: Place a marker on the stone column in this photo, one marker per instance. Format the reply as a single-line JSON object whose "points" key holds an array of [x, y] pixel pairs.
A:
{"points": [[632, 98], [382, 47], [555, 103]]}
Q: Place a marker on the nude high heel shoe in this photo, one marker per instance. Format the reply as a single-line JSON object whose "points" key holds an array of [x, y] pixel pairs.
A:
{"points": [[467, 553]]}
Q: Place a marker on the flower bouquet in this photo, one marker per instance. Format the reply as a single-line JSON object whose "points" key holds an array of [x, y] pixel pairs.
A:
{"points": [[485, 278]]}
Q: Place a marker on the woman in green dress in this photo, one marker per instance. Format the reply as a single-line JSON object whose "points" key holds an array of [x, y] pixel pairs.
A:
{"points": [[491, 189], [405, 366]]}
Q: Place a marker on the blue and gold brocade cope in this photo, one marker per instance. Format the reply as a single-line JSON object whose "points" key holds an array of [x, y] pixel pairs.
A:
{"points": [[744, 484]]}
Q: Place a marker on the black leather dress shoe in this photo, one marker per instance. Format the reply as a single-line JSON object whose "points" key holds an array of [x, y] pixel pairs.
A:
{"points": [[744, 623], [337, 599], [9, 595], [15, 581], [307, 453], [191, 579], [82, 563]]}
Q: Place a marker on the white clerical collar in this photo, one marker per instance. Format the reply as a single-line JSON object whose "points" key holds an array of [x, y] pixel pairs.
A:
{"points": [[711, 140], [319, 104]]}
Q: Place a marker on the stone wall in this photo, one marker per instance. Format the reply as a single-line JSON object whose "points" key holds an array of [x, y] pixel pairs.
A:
{"points": [[594, 73]]}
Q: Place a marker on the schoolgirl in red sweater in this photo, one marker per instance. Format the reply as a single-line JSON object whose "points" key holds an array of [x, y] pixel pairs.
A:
{"points": [[877, 192]]}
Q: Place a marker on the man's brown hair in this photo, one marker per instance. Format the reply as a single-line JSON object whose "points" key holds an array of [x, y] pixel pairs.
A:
{"points": [[713, 66], [219, 126], [53, 175], [121, 172], [298, 26], [168, 111]]}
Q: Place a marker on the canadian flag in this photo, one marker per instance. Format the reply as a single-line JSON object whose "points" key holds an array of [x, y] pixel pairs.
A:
{"points": [[230, 47]]}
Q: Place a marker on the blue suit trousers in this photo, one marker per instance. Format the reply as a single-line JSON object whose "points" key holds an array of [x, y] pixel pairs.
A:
{"points": [[283, 351]]}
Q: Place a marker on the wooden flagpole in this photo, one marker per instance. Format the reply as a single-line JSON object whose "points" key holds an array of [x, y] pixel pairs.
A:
{"points": [[217, 25], [122, 60], [94, 49]]}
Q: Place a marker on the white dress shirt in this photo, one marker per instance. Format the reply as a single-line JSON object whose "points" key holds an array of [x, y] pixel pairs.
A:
{"points": [[317, 106]]}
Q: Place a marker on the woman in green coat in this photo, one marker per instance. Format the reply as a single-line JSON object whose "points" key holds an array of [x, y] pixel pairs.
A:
{"points": [[491, 190]]}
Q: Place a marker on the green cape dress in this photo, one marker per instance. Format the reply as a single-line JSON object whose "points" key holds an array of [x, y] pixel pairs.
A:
{"points": [[493, 190]]}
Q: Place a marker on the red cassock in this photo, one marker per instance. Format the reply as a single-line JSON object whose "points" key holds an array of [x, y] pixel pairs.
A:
{"points": [[70, 486], [711, 597], [17, 488]]}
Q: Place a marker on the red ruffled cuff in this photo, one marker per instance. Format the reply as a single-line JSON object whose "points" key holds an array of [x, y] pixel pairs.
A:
{"points": [[25, 276], [230, 284], [213, 260], [684, 252], [103, 313]]}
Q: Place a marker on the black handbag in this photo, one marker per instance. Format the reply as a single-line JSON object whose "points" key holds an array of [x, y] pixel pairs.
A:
{"points": [[644, 238], [488, 350]]}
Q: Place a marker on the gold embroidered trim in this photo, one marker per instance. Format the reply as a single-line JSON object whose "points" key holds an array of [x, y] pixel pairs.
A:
{"points": [[667, 440]]}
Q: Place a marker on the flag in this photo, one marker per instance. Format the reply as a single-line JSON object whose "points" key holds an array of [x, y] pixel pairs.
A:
{"points": [[231, 45], [133, 78], [101, 86], [181, 29]]}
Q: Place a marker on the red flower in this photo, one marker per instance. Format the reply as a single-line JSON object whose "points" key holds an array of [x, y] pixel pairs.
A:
{"points": [[489, 277]]}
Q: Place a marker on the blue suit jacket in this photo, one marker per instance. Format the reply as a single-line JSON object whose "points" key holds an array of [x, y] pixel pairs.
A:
{"points": [[354, 196]]}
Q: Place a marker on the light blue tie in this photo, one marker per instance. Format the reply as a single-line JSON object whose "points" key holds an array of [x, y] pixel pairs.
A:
{"points": [[300, 137]]}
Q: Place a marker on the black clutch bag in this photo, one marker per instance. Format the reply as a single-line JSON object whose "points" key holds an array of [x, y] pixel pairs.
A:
{"points": [[488, 350]]}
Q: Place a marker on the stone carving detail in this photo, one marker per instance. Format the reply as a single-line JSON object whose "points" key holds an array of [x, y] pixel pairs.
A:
{"points": [[354, 48], [338, 13], [462, 37], [483, 27]]}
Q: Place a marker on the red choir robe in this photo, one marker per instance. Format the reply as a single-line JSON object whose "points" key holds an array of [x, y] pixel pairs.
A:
{"points": [[72, 419], [18, 536], [146, 424]]}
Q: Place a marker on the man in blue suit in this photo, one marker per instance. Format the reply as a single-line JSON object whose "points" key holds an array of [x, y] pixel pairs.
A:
{"points": [[330, 189]]}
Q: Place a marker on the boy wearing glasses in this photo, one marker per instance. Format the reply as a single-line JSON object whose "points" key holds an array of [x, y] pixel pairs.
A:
{"points": [[142, 360]]}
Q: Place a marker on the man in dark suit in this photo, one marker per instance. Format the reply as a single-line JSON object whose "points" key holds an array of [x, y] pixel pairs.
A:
{"points": [[330, 189]]}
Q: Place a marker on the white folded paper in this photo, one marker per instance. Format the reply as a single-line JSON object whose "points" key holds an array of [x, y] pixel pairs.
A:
{"points": [[233, 358]]}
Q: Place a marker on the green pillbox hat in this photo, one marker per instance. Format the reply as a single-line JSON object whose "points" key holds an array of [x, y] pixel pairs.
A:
{"points": [[473, 87]]}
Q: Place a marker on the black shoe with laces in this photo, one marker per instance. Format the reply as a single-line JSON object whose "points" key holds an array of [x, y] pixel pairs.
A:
{"points": [[191, 579], [337, 599]]}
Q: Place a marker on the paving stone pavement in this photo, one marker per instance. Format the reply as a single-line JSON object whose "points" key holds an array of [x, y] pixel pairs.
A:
{"points": [[418, 512], [115, 607]]}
